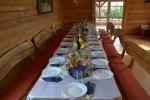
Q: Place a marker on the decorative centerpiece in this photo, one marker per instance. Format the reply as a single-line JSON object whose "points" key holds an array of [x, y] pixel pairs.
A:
{"points": [[79, 67], [80, 39], [80, 60]]}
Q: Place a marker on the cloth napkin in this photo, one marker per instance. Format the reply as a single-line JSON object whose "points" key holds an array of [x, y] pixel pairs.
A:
{"points": [[99, 68], [60, 54], [90, 90], [52, 79], [55, 65], [63, 46], [95, 57]]}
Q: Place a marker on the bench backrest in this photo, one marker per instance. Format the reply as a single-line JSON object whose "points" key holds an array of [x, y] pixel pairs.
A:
{"points": [[14, 56], [140, 55], [41, 37]]}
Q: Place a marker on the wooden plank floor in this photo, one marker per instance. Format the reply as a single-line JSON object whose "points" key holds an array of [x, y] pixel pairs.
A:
{"points": [[141, 75]]}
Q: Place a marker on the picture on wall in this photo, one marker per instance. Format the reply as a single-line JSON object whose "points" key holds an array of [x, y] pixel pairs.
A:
{"points": [[147, 1], [44, 6]]}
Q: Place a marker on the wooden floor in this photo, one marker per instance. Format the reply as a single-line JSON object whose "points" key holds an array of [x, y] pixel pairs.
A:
{"points": [[141, 75]]}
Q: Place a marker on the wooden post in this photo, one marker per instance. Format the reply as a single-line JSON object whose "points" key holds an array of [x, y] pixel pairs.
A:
{"points": [[108, 11]]}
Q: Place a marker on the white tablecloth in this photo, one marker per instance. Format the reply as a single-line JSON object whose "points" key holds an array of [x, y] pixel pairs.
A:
{"points": [[104, 89]]}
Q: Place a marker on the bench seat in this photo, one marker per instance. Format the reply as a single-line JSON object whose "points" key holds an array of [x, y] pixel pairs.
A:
{"points": [[129, 86]]}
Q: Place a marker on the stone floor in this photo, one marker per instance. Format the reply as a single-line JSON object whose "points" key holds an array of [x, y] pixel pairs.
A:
{"points": [[141, 75]]}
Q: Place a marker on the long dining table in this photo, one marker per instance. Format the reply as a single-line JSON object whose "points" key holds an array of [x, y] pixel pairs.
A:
{"points": [[105, 89]]}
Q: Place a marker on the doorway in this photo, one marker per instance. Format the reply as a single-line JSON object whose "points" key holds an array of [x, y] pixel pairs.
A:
{"points": [[109, 11]]}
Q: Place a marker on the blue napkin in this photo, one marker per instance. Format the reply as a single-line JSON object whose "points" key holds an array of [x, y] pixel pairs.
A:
{"points": [[98, 57], [96, 49], [52, 79], [63, 46], [99, 68], [90, 88], [55, 65], [78, 69], [60, 54]]}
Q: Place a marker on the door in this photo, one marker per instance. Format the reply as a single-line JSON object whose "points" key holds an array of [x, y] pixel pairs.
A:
{"points": [[109, 11]]}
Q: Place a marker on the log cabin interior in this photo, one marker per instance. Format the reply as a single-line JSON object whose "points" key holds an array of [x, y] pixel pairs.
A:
{"points": [[32, 31]]}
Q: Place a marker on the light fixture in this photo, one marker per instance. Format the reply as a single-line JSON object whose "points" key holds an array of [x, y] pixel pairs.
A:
{"points": [[76, 1]]}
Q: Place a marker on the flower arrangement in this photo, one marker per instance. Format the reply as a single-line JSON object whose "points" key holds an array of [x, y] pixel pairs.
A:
{"points": [[76, 60]]}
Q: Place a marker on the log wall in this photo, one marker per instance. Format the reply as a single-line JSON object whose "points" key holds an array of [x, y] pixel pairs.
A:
{"points": [[19, 21], [73, 13], [136, 13]]}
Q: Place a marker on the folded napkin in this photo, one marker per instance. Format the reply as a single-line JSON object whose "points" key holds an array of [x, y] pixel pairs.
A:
{"points": [[95, 57], [99, 68], [78, 72], [90, 90], [60, 54], [95, 49], [52, 79], [55, 65], [63, 46]]}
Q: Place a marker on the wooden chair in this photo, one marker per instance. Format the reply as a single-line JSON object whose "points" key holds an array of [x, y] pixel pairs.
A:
{"points": [[124, 42], [144, 28], [110, 28], [113, 31]]}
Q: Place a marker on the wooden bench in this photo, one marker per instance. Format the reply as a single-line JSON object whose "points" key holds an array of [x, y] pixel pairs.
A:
{"points": [[140, 55], [24, 82], [129, 86], [13, 57]]}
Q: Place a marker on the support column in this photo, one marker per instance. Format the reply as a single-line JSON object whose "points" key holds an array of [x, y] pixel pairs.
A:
{"points": [[108, 11]]}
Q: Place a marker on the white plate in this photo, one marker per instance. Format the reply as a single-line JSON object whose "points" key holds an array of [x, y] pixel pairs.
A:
{"points": [[98, 54], [65, 43], [68, 39], [102, 74], [51, 72], [57, 60], [69, 36], [74, 90], [61, 50], [92, 39], [100, 61], [95, 47], [94, 43], [92, 36]]}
